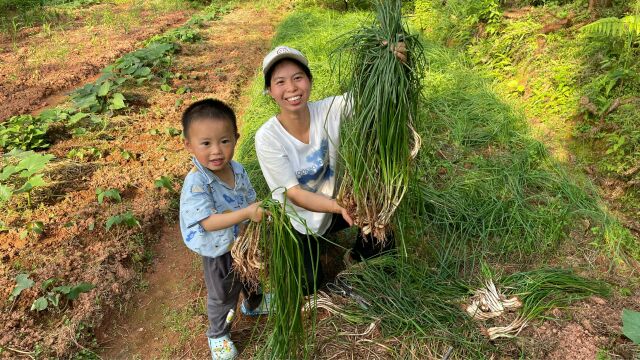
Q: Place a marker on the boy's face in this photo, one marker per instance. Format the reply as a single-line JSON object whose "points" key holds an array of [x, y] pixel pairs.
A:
{"points": [[212, 142]]}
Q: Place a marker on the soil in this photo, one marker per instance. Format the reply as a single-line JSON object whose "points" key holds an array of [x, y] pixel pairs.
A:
{"points": [[590, 328], [39, 68], [162, 313]]}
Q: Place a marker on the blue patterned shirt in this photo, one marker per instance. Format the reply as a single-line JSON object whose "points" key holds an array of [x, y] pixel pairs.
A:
{"points": [[204, 194]]}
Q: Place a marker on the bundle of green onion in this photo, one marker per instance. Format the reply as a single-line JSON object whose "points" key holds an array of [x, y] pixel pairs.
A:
{"points": [[270, 252], [377, 135]]}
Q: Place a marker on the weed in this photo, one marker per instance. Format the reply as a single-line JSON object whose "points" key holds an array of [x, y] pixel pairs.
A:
{"points": [[52, 295], [22, 283], [126, 218], [165, 182], [127, 155], [112, 194], [90, 153], [141, 254], [32, 228]]}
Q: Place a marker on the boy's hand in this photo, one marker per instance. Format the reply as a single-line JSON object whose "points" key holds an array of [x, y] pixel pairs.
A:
{"points": [[255, 212]]}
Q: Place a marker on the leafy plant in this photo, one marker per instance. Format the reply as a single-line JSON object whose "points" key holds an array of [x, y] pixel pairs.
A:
{"points": [[123, 219], [52, 296], [127, 155], [34, 227], [24, 132], [81, 153], [171, 131], [183, 34], [631, 325], [165, 182], [22, 283], [101, 95], [28, 168], [138, 65], [615, 27], [112, 194]]}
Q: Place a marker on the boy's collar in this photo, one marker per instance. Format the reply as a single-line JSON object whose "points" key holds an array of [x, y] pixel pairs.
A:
{"points": [[208, 173]]}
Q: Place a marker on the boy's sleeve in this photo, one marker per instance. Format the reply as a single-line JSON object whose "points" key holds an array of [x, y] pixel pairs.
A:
{"points": [[196, 204], [274, 164]]}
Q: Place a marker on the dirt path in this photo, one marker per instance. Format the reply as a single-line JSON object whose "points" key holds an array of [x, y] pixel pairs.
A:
{"points": [[37, 69], [167, 319]]}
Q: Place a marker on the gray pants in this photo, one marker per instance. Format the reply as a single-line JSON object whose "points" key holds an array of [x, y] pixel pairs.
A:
{"points": [[223, 290]]}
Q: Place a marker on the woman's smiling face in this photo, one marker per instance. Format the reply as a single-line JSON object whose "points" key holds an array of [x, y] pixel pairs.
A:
{"points": [[290, 86]]}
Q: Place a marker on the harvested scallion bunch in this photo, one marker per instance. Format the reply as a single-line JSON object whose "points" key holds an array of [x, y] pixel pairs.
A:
{"points": [[377, 136], [406, 298], [544, 289], [532, 293], [270, 251]]}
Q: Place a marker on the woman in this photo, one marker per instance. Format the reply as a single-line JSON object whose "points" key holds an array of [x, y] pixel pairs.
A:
{"points": [[297, 151]]}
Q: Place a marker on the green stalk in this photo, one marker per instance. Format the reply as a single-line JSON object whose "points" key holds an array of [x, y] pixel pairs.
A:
{"points": [[289, 332], [376, 139]]}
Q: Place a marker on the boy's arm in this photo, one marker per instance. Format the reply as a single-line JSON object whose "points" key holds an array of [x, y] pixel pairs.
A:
{"points": [[215, 222]]}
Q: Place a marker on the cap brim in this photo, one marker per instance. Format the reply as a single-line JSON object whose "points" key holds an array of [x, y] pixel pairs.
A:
{"points": [[279, 57]]}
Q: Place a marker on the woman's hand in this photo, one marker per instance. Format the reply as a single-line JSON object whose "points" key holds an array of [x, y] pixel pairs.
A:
{"points": [[399, 49], [255, 212], [342, 211]]}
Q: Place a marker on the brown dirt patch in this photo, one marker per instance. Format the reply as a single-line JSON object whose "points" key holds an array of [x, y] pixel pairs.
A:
{"points": [[39, 68], [592, 327]]}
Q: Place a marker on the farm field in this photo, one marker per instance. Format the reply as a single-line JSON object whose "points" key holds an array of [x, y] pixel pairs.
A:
{"points": [[529, 162]]}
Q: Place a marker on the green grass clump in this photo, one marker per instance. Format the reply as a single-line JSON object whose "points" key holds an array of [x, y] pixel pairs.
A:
{"points": [[546, 289], [409, 299], [376, 137], [280, 264]]}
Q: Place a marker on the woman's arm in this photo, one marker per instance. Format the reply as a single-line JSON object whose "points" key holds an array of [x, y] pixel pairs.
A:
{"points": [[316, 202], [215, 222]]}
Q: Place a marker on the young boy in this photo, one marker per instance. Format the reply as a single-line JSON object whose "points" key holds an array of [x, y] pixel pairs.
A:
{"points": [[216, 200]]}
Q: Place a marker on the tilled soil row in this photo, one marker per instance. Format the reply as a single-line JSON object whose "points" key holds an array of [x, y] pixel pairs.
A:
{"points": [[31, 78]]}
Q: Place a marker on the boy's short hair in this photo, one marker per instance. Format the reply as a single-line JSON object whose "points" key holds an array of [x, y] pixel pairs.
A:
{"points": [[207, 109]]}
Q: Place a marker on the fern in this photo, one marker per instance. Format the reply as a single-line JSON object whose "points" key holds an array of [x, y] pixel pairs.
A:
{"points": [[614, 27]]}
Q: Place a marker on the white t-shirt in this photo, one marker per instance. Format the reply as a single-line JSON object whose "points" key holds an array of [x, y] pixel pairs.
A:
{"points": [[286, 161]]}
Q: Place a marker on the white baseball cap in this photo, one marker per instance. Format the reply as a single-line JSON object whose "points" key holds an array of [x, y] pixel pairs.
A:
{"points": [[282, 52]]}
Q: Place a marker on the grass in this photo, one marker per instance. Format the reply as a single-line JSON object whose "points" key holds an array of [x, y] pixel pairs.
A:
{"points": [[547, 77], [484, 183]]}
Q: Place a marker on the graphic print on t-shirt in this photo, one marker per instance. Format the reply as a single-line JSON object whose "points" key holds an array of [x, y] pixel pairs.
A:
{"points": [[318, 168]]}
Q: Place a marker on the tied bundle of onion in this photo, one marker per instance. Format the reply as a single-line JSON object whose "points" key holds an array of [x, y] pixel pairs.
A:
{"points": [[377, 138], [269, 252]]}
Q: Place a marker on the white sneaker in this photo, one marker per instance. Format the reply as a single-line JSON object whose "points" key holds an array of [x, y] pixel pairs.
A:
{"points": [[222, 348]]}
